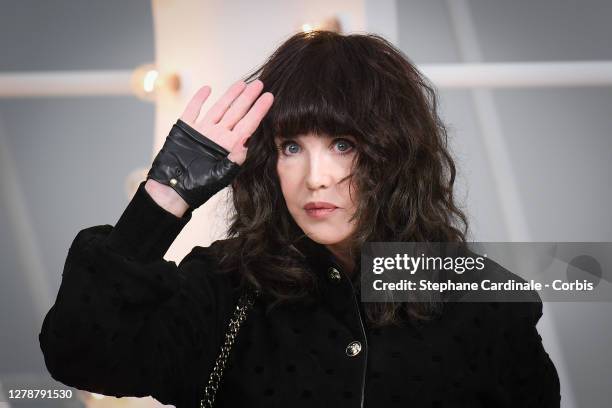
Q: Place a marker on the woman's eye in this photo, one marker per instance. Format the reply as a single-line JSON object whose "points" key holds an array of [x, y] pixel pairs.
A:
{"points": [[344, 145], [285, 144]]}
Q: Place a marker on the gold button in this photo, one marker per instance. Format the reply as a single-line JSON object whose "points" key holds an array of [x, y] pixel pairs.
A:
{"points": [[173, 181], [334, 274], [353, 348]]}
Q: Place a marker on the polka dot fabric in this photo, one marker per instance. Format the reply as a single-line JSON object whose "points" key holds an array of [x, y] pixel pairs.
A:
{"points": [[128, 323]]}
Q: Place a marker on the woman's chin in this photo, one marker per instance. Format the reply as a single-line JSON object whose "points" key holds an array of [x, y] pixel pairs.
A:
{"points": [[324, 237]]}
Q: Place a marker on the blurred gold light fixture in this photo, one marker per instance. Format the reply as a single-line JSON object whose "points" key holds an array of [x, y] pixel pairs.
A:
{"points": [[329, 24], [306, 27], [92, 400], [147, 82]]}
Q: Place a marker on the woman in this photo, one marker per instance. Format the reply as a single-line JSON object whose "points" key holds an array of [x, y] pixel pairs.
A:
{"points": [[345, 146]]}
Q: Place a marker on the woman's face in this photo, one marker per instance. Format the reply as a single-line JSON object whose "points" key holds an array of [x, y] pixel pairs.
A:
{"points": [[314, 173]]}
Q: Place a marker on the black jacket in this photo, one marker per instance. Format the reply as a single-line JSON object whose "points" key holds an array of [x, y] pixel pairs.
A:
{"points": [[126, 322]]}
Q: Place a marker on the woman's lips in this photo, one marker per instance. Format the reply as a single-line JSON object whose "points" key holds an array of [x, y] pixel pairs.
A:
{"points": [[319, 209], [320, 212], [318, 204]]}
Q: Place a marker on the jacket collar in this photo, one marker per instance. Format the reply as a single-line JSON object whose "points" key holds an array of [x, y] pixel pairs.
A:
{"points": [[319, 257]]}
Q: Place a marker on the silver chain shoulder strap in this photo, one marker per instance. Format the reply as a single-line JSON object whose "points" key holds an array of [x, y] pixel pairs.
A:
{"points": [[240, 313]]}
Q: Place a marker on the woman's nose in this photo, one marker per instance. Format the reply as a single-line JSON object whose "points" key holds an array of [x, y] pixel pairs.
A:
{"points": [[318, 172]]}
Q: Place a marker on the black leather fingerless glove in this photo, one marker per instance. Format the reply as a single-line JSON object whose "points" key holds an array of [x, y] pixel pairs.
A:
{"points": [[193, 165]]}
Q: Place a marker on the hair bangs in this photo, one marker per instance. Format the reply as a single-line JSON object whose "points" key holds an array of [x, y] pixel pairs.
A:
{"points": [[321, 113]]}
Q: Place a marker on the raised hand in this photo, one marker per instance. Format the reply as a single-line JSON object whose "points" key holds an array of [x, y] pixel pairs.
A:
{"points": [[203, 152], [233, 118]]}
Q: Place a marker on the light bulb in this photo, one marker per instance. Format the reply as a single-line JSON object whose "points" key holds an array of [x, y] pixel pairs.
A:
{"points": [[147, 82], [330, 24], [307, 27]]}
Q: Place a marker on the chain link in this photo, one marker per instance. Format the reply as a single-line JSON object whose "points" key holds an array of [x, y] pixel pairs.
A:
{"points": [[240, 313]]}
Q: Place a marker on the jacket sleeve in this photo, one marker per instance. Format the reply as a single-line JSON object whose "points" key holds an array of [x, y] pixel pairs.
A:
{"points": [[528, 376], [126, 322]]}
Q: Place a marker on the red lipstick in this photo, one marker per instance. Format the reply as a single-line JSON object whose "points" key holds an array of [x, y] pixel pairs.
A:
{"points": [[319, 209]]}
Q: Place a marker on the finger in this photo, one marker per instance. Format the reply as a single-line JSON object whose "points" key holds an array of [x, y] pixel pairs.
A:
{"points": [[239, 151], [241, 105], [217, 111], [245, 128], [237, 156], [195, 104], [248, 124]]}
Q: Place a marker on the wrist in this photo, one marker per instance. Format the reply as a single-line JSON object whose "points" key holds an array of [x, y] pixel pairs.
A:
{"points": [[166, 197]]}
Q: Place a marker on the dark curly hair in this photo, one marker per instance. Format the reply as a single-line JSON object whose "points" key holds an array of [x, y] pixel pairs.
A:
{"points": [[358, 84]]}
